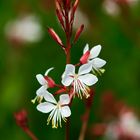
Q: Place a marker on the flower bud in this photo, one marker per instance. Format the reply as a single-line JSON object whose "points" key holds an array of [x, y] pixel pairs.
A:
{"points": [[21, 119], [50, 81], [55, 36], [85, 57], [74, 9], [78, 33], [60, 18]]}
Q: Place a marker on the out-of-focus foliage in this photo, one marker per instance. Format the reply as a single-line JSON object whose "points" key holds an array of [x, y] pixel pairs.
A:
{"points": [[20, 62]]}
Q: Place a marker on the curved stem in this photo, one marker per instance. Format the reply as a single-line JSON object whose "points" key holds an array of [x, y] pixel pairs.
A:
{"points": [[30, 134]]}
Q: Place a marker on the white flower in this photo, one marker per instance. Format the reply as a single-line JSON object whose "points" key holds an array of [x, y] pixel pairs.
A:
{"points": [[43, 80], [130, 124], [111, 7], [79, 81], [97, 63], [24, 29], [58, 110]]}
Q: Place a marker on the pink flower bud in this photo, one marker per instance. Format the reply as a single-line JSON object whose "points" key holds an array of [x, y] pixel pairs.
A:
{"points": [[75, 5], [74, 9], [50, 81], [55, 36], [21, 119], [60, 17], [57, 4], [85, 57], [78, 33]]}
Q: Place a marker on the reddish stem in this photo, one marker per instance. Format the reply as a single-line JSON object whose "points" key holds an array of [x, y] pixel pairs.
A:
{"points": [[68, 55], [84, 125], [30, 134], [68, 51], [86, 115]]}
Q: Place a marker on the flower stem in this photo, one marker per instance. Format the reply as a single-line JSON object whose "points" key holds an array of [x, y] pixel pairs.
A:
{"points": [[68, 129], [84, 125], [68, 56], [30, 134], [68, 62], [86, 115]]}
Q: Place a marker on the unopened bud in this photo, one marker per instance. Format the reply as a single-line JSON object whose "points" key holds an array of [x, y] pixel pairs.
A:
{"points": [[75, 5], [21, 119], [57, 4], [50, 81], [78, 33], [74, 9], [85, 57], [55, 36], [60, 18]]}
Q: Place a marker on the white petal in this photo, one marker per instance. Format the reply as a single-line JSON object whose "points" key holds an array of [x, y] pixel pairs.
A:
{"points": [[46, 73], [95, 51], [88, 79], [64, 99], [70, 69], [86, 68], [86, 49], [67, 80], [41, 79], [45, 107], [49, 98], [41, 91], [65, 111], [98, 63]]}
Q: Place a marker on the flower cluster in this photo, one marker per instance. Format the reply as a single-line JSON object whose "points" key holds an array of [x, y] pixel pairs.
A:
{"points": [[73, 83]]}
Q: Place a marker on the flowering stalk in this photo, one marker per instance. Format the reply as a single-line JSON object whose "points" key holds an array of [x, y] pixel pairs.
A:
{"points": [[74, 84]]}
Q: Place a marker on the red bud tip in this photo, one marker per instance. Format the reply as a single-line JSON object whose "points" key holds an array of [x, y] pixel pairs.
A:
{"points": [[78, 33], [57, 4], [73, 10], [60, 18], [21, 119], [55, 36], [50, 81], [85, 57], [75, 5]]}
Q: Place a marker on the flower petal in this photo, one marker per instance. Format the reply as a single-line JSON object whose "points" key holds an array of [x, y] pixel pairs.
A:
{"points": [[67, 80], [86, 68], [70, 69], [48, 70], [64, 99], [98, 63], [41, 79], [41, 91], [45, 107], [95, 51], [86, 48], [49, 98], [65, 111], [88, 79]]}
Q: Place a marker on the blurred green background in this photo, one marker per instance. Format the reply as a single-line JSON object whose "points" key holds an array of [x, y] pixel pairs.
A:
{"points": [[119, 34]]}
